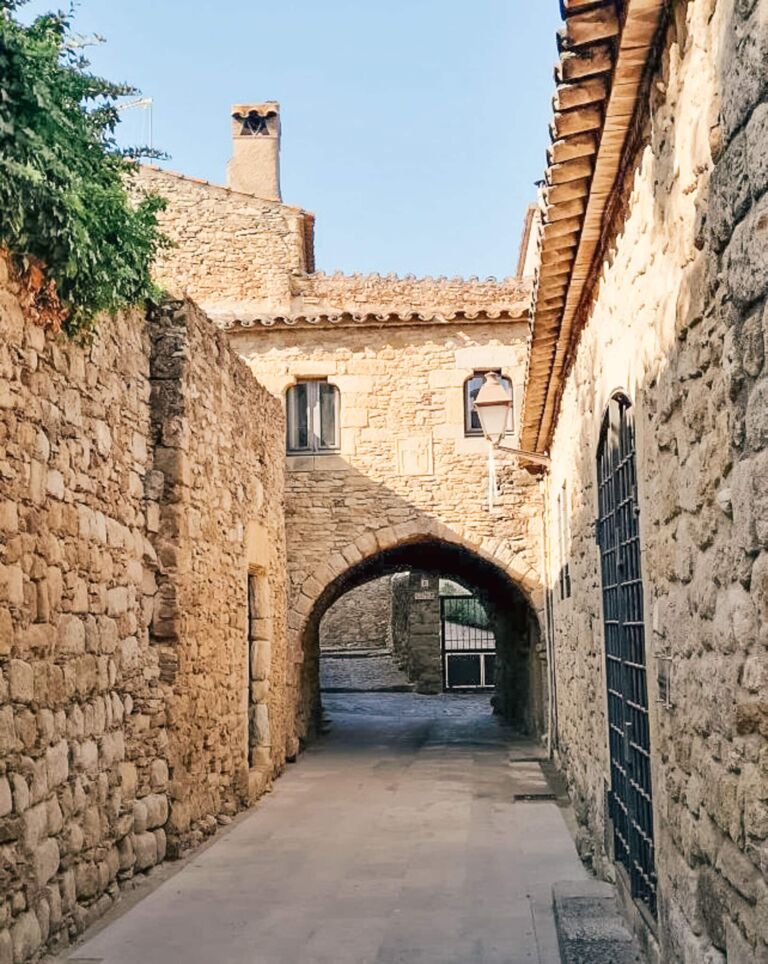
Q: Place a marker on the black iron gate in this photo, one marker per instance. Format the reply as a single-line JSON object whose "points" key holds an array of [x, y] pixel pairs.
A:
{"points": [[630, 796], [468, 644]]}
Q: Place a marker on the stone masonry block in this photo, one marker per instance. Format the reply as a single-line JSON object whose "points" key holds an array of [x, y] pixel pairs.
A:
{"points": [[729, 190], [157, 810], [35, 825], [21, 681], [757, 150], [746, 257], [57, 764], [744, 80], [46, 861], [6, 798], [749, 499], [6, 947], [26, 936]]}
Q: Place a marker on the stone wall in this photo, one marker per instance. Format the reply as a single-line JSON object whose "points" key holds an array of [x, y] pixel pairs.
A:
{"points": [[107, 600], [399, 350], [421, 651], [679, 325], [405, 470], [374, 293], [228, 247], [219, 481], [83, 725], [360, 619]]}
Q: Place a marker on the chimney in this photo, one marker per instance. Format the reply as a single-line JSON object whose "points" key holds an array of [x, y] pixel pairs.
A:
{"points": [[255, 164]]}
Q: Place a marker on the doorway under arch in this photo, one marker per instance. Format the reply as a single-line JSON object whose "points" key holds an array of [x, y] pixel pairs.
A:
{"points": [[520, 693]]}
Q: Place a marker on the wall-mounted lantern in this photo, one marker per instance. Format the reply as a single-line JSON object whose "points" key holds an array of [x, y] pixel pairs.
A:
{"points": [[493, 405]]}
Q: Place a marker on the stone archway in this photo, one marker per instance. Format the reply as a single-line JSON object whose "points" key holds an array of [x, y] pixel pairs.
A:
{"points": [[509, 593]]}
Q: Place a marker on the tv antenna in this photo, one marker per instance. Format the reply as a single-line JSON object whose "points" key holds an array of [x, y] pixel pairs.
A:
{"points": [[141, 103]]}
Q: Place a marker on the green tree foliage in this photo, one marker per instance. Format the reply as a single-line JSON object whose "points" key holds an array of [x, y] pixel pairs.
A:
{"points": [[64, 206]]}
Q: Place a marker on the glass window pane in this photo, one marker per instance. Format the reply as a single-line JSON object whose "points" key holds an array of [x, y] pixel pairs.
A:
{"points": [[328, 403], [298, 416], [473, 386], [508, 388]]}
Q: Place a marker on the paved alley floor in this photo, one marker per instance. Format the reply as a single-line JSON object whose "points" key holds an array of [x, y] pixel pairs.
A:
{"points": [[402, 836]]}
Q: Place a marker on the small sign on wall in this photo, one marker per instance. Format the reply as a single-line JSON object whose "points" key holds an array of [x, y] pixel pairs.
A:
{"points": [[414, 456]]}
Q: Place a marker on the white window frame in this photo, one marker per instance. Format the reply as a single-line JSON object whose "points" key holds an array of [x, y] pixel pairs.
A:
{"points": [[314, 445], [469, 430]]}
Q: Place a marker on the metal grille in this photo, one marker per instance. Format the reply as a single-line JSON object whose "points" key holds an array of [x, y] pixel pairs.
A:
{"points": [[630, 796], [468, 644], [251, 642]]}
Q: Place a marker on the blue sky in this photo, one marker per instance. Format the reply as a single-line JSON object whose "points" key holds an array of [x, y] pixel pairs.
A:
{"points": [[414, 129]]}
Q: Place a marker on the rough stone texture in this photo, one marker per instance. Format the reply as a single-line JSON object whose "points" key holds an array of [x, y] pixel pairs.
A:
{"points": [[79, 700], [355, 671], [679, 324], [360, 618], [416, 611], [105, 495], [590, 927], [241, 257], [205, 264], [405, 471], [221, 515], [399, 350]]}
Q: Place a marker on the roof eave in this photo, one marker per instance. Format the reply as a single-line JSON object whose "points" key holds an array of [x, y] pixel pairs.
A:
{"points": [[603, 66]]}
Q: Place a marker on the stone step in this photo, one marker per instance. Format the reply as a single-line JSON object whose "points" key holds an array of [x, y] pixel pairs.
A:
{"points": [[590, 926]]}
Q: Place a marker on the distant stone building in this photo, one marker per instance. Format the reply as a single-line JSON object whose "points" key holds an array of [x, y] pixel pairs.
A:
{"points": [[360, 619], [386, 466]]}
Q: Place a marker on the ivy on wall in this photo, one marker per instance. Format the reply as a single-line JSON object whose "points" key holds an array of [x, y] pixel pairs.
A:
{"points": [[78, 241]]}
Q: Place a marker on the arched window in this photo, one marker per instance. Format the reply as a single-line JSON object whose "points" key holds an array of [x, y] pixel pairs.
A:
{"points": [[313, 417], [618, 537], [471, 387]]}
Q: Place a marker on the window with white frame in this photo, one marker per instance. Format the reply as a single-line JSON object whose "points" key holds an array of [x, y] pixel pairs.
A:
{"points": [[313, 417], [471, 387]]}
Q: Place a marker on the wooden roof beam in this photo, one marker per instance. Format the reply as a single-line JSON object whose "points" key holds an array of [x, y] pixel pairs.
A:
{"points": [[577, 121], [558, 269], [560, 258], [570, 227], [579, 167], [591, 26], [579, 94], [584, 62], [559, 193], [565, 210], [567, 7], [567, 149]]}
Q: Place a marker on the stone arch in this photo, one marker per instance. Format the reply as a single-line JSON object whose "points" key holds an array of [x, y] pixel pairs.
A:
{"points": [[510, 588]]}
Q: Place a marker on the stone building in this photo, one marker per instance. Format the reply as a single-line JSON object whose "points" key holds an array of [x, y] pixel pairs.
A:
{"points": [[641, 377], [646, 384], [385, 468], [174, 530]]}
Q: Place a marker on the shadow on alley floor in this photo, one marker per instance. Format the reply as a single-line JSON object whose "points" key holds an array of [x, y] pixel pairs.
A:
{"points": [[417, 830]]}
